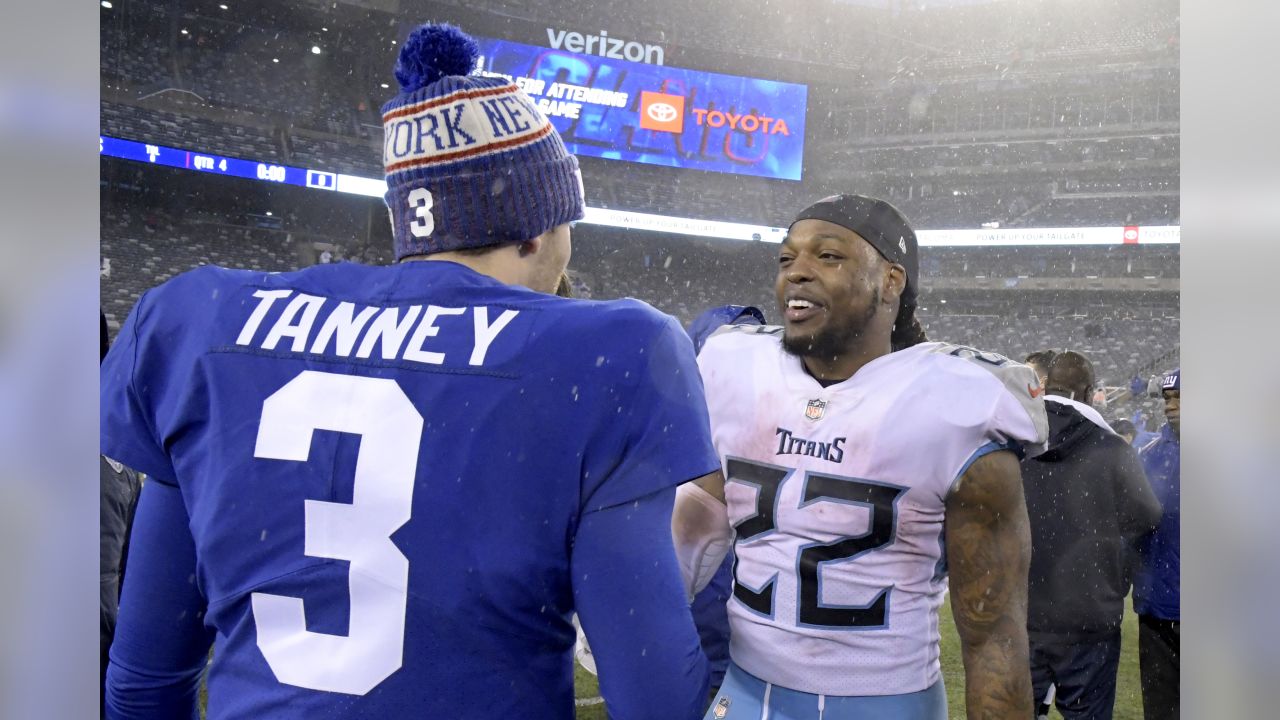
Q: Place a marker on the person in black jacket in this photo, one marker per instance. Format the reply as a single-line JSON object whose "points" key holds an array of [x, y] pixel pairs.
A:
{"points": [[118, 498], [1088, 499]]}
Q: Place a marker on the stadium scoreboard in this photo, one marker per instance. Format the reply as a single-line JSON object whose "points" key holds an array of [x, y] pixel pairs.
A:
{"points": [[616, 109], [218, 164], [237, 167]]}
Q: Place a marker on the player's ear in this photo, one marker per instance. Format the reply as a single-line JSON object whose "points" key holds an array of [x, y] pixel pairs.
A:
{"points": [[894, 282], [530, 247]]}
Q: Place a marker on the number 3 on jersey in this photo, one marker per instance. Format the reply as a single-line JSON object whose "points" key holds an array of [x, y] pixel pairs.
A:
{"points": [[881, 500], [390, 429], [423, 223]]}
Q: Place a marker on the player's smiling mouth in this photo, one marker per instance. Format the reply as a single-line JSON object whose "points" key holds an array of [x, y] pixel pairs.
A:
{"points": [[799, 307]]}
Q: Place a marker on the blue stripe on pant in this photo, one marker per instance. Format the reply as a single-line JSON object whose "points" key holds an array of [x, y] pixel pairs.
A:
{"points": [[743, 696]]}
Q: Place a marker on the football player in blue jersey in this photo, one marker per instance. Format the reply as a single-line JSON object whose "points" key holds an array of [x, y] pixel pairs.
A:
{"points": [[381, 492]]}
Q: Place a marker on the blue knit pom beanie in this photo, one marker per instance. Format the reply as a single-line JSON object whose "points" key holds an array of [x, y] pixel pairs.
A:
{"points": [[471, 161]]}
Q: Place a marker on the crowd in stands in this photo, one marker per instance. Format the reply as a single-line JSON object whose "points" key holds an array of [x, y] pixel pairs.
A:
{"points": [[684, 276], [703, 195], [185, 130], [963, 158], [132, 50], [1160, 261], [229, 64], [1078, 101], [351, 157], [1126, 40], [236, 65], [1066, 211], [144, 249], [1117, 346]]}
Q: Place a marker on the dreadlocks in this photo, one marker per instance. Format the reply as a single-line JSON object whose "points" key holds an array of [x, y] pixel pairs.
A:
{"points": [[907, 330]]}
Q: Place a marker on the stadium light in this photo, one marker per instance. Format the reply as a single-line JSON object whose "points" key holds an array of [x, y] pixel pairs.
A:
{"points": [[224, 7], [275, 60], [184, 31], [106, 4], [315, 49], [324, 29], [385, 86], [268, 213]]}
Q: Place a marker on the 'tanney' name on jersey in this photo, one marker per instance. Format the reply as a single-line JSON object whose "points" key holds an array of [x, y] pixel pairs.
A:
{"points": [[840, 569]]}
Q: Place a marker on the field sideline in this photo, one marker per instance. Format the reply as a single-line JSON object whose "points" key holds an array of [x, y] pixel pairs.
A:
{"points": [[1128, 693]]}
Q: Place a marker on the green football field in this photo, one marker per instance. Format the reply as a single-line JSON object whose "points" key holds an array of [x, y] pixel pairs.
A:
{"points": [[1128, 694]]}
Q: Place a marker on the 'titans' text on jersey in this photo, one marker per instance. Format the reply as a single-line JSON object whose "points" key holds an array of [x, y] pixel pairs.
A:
{"points": [[837, 497]]}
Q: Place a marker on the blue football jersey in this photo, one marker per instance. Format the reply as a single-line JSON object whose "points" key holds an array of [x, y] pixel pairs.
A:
{"points": [[383, 469]]}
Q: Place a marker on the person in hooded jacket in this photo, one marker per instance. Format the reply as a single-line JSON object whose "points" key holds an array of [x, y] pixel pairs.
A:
{"points": [[1088, 500]]}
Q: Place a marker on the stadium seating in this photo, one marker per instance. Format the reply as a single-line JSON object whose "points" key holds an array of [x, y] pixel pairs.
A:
{"points": [[349, 157], [142, 58], [185, 130], [1126, 344]]}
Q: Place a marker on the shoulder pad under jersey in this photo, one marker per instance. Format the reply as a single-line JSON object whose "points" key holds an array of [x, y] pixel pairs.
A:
{"points": [[1019, 380]]}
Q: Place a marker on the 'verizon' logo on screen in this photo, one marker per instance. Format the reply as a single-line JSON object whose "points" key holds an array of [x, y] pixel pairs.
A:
{"points": [[605, 46]]}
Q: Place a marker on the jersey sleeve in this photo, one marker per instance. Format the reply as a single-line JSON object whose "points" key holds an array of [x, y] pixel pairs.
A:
{"points": [[161, 642], [630, 598], [128, 425], [1019, 420], [1013, 409], [661, 425]]}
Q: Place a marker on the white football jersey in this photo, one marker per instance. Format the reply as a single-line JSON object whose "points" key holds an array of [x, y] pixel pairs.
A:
{"points": [[837, 497]]}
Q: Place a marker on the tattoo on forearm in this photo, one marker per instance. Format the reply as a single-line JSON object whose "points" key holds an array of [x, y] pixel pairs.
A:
{"points": [[989, 548]]}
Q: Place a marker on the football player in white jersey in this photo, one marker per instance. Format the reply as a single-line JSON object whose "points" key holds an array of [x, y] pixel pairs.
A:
{"points": [[863, 467]]}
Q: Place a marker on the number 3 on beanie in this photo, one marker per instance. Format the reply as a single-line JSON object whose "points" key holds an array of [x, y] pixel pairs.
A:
{"points": [[423, 223]]}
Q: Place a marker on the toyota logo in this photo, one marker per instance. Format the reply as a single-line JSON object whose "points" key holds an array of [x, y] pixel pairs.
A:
{"points": [[661, 112], [1130, 234]]}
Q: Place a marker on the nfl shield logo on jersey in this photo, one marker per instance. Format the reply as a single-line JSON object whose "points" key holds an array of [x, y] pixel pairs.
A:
{"points": [[815, 409], [722, 708]]}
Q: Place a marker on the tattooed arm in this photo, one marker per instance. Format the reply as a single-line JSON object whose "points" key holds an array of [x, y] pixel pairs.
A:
{"points": [[988, 552]]}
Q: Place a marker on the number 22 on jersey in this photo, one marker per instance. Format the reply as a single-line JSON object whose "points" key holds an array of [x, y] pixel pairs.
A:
{"points": [[390, 430], [880, 499]]}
